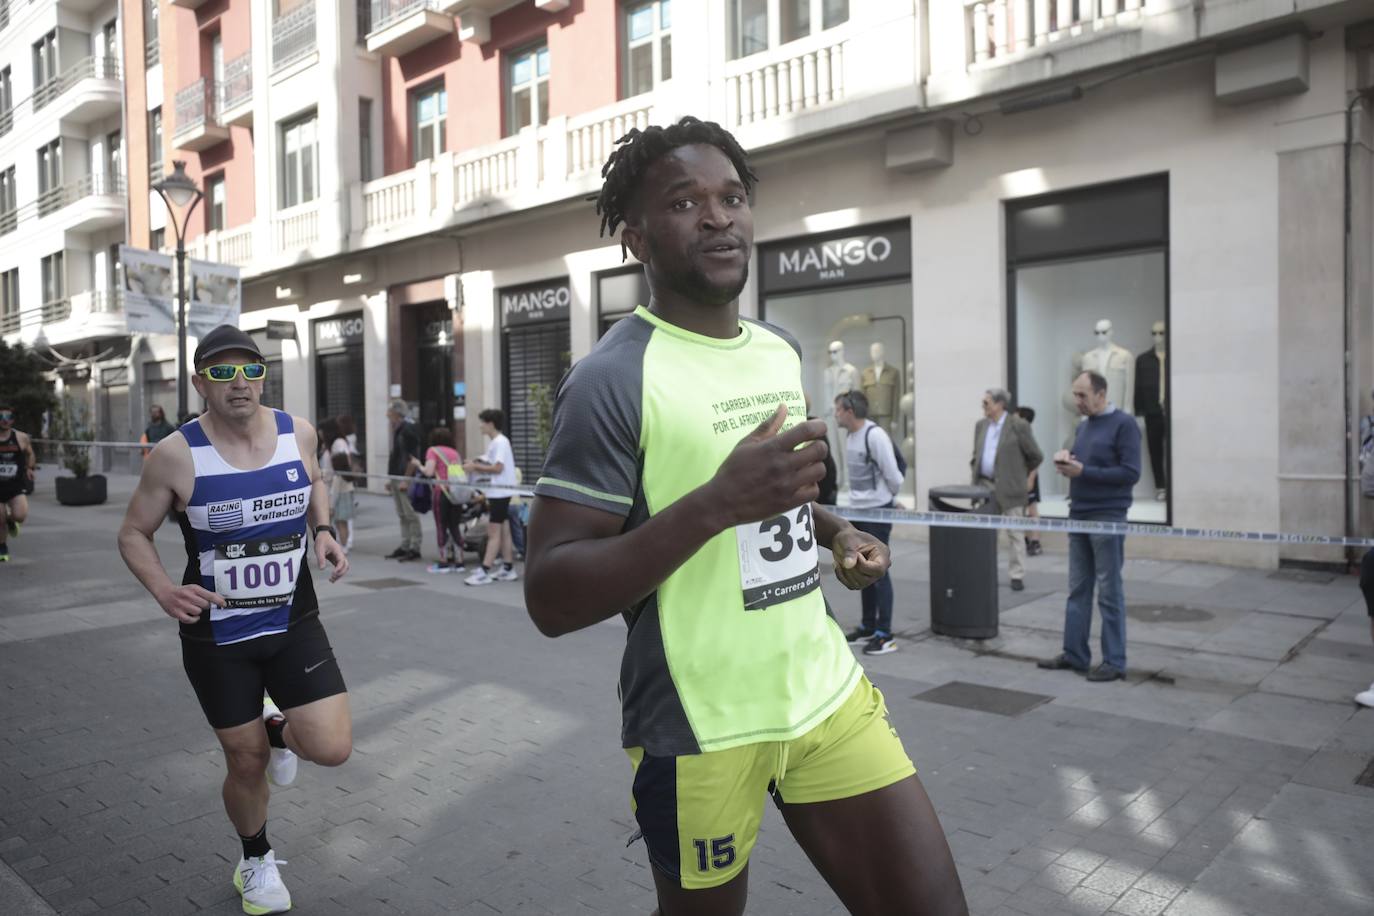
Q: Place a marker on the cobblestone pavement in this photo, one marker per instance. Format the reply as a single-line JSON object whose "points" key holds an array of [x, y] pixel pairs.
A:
{"points": [[1220, 779]]}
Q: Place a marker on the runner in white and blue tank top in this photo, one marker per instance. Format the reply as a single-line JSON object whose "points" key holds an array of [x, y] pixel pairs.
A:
{"points": [[244, 483], [245, 539]]}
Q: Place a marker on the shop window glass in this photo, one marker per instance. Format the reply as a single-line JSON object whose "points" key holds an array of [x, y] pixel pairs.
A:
{"points": [[1089, 290], [618, 293], [872, 326]]}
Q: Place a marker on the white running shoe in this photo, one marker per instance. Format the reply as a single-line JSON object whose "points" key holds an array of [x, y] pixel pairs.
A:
{"points": [[260, 885], [1366, 698], [440, 569], [281, 765], [479, 578], [506, 575]]}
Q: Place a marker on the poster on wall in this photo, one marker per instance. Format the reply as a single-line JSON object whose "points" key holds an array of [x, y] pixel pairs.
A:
{"points": [[150, 302]]}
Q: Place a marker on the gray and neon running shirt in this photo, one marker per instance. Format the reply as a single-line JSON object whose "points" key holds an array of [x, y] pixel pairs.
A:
{"points": [[735, 647]]}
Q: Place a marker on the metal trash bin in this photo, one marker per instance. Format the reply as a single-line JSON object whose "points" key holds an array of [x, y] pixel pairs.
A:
{"points": [[963, 568]]}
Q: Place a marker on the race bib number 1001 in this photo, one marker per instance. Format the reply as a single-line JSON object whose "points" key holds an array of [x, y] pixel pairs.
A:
{"points": [[259, 573], [778, 559]]}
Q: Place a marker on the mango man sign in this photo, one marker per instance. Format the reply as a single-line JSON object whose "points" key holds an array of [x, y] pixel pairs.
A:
{"points": [[535, 303], [861, 255]]}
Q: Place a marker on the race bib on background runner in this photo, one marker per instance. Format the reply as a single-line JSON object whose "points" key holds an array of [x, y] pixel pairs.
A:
{"points": [[259, 574], [8, 469], [778, 559]]}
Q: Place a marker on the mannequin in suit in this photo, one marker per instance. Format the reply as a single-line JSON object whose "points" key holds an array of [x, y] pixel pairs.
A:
{"points": [[880, 385], [1151, 387], [840, 377], [1111, 361]]}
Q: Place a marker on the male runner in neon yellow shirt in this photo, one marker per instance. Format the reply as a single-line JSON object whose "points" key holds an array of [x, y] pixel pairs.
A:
{"points": [[679, 491]]}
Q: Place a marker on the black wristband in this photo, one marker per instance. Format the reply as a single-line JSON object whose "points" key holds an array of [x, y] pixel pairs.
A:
{"points": [[330, 528]]}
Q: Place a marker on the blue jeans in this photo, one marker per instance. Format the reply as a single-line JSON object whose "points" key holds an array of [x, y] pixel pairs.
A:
{"points": [[1096, 559], [877, 598]]}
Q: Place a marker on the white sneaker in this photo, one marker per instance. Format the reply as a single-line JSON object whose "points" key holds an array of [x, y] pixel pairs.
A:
{"points": [[440, 569], [281, 765], [260, 885], [479, 578], [1366, 698], [506, 575]]}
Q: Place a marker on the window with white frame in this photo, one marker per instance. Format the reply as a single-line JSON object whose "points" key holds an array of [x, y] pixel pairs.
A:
{"points": [[6, 101], [54, 278], [300, 161], [114, 156], [9, 201], [109, 39], [648, 53], [45, 59], [155, 138], [49, 176], [428, 115], [527, 101], [757, 25], [214, 202]]}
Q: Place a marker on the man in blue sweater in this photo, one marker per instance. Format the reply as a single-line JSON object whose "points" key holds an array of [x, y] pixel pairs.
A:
{"points": [[1102, 468]]}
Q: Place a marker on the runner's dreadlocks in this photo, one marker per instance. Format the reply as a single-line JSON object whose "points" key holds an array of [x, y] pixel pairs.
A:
{"points": [[639, 149]]}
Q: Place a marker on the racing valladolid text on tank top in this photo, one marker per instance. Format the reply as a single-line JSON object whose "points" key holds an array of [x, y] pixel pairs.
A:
{"points": [[245, 539], [735, 646]]}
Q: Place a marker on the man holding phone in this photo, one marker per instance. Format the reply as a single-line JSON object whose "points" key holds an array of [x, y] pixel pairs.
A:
{"points": [[1102, 468]]}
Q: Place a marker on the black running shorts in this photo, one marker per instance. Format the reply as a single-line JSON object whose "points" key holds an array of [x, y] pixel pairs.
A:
{"points": [[295, 668], [499, 509]]}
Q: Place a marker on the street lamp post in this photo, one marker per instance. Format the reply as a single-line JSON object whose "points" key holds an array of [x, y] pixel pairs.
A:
{"points": [[177, 190]]}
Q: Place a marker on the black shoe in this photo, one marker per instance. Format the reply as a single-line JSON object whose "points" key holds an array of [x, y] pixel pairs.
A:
{"points": [[1033, 548], [400, 553], [880, 645], [4, 553], [1105, 672], [859, 634], [1060, 663], [409, 555], [1017, 585]]}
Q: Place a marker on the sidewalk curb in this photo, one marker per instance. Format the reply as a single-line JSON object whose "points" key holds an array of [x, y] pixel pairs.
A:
{"points": [[21, 899]]}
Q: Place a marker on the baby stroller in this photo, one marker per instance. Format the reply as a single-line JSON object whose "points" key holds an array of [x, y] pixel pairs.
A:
{"points": [[474, 522]]}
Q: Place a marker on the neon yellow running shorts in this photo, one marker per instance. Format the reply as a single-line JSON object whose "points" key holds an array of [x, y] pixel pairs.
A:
{"points": [[700, 814]]}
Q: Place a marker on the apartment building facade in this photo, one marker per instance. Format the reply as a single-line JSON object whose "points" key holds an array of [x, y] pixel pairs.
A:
{"points": [[957, 192], [62, 191]]}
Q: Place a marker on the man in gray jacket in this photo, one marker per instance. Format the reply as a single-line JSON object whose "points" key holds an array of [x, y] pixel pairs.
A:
{"points": [[1004, 454]]}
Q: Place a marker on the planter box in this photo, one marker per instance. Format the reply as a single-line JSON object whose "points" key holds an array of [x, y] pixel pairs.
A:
{"points": [[81, 491]]}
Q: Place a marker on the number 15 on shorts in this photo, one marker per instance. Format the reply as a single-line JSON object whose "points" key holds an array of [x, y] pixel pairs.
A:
{"points": [[778, 559], [718, 853]]}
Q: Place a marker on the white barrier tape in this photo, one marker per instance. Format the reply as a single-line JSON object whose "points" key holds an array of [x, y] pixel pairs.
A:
{"points": [[1083, 526], [972, 520]]}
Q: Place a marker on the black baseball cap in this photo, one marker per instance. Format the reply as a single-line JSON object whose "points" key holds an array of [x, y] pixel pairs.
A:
{"points": [[222, 339]]}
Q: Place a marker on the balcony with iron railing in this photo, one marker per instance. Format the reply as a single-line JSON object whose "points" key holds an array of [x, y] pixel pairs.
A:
{"points": [[197, 117], [152, 53], [236, 92], [401, 26], [90, 203], [85, 315], [293, 36], [88, 91]]}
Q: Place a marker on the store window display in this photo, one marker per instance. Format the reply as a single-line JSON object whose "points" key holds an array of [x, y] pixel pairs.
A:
{"points": [[1089, 291]]}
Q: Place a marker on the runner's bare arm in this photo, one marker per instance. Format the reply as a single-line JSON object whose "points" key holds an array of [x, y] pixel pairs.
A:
{"points": [[156, 494], [860, 558], [327, 550], [582, 567], [26, 446]]}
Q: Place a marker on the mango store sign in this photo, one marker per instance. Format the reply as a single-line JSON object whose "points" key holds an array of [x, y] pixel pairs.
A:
{"points": [[536, 303], [833, 259]]}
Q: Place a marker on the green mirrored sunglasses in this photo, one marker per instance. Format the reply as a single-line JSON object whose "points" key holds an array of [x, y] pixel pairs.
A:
{"points": [[225, 372]]}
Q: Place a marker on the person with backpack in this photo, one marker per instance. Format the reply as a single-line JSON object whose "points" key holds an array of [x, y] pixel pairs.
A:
{"points": [[444, 466], [876, 469], [1005, 454]]}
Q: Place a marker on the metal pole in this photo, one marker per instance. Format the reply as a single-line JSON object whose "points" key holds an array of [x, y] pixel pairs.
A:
{"points": [[181, 329]]}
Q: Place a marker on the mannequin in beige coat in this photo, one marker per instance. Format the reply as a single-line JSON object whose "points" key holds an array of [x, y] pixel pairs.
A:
{"points": [[1005, 465]]}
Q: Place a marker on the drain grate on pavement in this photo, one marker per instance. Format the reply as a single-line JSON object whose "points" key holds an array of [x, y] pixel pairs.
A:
{"points": [[1167, 613], [390, 582], [1366, 778], [997, 700]]}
